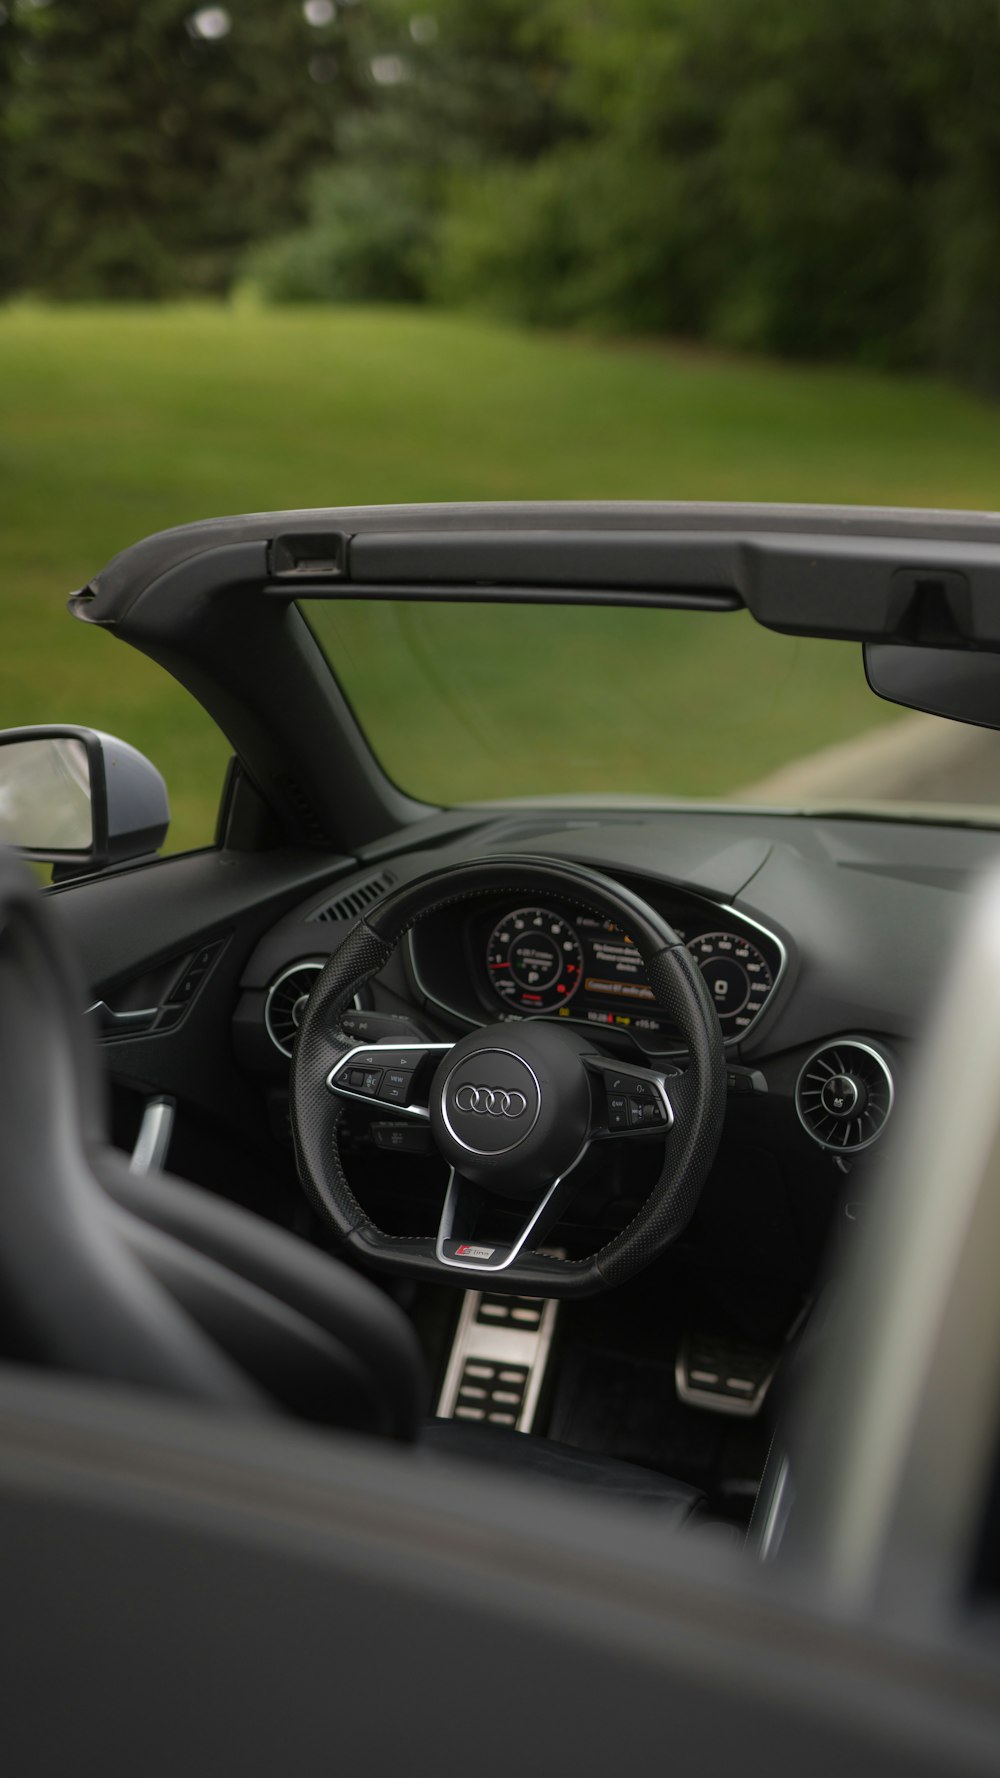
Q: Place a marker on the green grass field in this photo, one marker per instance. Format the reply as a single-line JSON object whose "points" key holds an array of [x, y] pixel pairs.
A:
{"points": [[118, 422]]}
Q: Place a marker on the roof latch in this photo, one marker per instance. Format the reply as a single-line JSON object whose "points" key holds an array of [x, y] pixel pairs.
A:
{"points": [[308, 555]]}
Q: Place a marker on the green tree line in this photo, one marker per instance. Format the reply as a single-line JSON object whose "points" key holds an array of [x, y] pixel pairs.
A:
{"points": [[144, 146], [804, 177]]}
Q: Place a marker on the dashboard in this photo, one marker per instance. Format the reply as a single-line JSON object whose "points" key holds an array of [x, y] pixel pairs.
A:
{"points": [[820, 940]]}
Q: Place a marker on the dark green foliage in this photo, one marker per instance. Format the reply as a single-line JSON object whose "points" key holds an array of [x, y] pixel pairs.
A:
{"points": [[9, 44], [366, 241], [463, 88], [763, 174], [145, 155], [803, 177]]}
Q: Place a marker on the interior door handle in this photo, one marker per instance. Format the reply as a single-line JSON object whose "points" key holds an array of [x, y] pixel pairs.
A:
{"points": [[123, 1022]]}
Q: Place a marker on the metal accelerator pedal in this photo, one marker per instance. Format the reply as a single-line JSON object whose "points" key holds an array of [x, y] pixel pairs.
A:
{"points": [[726, 1376]]}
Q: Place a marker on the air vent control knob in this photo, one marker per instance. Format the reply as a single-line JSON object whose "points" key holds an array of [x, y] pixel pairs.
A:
{"points": [[844, 1095]]}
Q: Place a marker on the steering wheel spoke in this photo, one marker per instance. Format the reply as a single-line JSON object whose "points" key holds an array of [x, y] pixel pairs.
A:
{"points": [[462, 1245], [385, 1077]]}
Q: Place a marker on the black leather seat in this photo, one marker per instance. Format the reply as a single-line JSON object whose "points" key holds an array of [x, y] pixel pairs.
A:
{"points": [[543, 1458]]}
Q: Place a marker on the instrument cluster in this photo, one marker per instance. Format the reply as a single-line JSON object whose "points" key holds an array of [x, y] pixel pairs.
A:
{"points": [[533, 961]]}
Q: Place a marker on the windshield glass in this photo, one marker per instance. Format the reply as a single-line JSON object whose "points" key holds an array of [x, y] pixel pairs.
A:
{"points": [[464, 702]]}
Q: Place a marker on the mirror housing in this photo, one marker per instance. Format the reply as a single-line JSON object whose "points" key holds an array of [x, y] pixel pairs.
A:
{"points": [[79, 799], [959, 683]]}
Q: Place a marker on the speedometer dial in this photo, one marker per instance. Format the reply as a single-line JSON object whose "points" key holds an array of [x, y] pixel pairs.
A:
{"points": [[737, 974], [534, 960]]}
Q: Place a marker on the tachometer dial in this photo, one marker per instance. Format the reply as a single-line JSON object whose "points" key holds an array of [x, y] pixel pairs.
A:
{"points": [[534, 960], [738, 977]]}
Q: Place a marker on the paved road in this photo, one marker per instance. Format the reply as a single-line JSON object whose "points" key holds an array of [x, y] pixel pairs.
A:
{"points": [[918, 759]]}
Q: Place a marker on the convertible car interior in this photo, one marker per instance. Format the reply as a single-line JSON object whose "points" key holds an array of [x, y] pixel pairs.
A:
{"points": [[523, 1137]]}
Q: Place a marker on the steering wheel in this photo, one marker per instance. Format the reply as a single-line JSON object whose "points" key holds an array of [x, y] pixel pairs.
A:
{"points": [[512, 1107]]}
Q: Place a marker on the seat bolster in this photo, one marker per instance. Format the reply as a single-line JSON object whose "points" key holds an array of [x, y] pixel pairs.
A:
{"points": [[345, 1306]]}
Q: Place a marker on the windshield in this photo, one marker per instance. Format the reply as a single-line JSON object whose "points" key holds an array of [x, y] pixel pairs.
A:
{"points": [[465, 702]]}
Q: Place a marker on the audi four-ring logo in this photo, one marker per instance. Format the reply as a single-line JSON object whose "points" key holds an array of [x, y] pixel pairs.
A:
{"points": [[490, 1101]]}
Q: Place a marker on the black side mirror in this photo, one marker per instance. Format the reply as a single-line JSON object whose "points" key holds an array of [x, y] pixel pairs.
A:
{"points": [[79, 799]]}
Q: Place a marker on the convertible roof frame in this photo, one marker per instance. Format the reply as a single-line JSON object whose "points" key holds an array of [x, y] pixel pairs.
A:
{"points": [[212, 601]]}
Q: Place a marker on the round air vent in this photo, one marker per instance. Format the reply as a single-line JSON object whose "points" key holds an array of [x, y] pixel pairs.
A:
{"points": [[844, 1095], [286, 1000]]}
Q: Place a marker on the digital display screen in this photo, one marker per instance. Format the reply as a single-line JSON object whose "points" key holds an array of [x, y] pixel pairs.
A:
{"points": [[615, 976], [540, 962]]}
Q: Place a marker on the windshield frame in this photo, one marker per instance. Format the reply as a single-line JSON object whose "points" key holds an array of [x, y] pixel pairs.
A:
{"points": [[214, 600]]}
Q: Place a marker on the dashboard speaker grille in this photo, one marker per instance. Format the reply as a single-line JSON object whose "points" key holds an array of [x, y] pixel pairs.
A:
{"points": [[286, 998], [355, 900], [844, 1095]]}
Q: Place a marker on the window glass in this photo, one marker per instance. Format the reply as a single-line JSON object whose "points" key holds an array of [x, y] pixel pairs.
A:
{"points": [[464, 701]]}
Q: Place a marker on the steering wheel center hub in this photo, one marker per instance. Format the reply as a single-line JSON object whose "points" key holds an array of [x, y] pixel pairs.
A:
{"points": [[510, 1107], [491, 1101]]}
